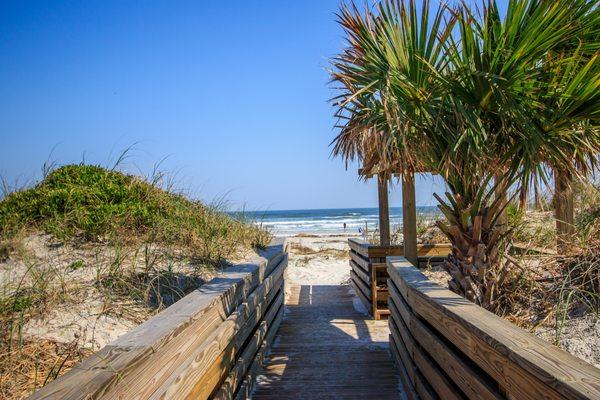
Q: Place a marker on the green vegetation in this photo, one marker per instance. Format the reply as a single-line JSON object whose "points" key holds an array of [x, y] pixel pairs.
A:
{"points": [[148, 231], [90, 203], [587, 204], [488, 101], [91, 243], [537, 227], [532, 229]]}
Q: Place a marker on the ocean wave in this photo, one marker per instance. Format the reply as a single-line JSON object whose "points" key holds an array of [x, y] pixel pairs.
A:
{"points": [[330, 221], [321, 222]]}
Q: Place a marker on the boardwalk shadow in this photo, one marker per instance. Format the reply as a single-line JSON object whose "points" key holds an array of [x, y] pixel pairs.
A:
{"points": [[326, 348]]}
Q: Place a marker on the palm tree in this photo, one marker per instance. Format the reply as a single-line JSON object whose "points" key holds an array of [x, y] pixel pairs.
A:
{"points": [[569, 145], [473, 104], [532, 104], [387, 92]]}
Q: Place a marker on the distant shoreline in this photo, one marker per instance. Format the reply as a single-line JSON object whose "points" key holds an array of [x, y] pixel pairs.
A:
{"points": [[338, 221]]}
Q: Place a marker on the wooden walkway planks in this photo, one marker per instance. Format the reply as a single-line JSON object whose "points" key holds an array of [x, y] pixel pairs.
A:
{"points": [[325, 349]]}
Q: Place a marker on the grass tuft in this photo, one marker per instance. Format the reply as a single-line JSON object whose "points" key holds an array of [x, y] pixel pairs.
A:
{"points": [[90, 203], [113, 244]]}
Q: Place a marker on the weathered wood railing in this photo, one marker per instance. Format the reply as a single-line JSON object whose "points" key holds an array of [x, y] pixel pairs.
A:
{"points": [[447, 347], [210, 344], [369, 271]]}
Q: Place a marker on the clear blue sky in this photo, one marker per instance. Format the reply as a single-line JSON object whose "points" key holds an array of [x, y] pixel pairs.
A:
{"points": [[234, 93]]}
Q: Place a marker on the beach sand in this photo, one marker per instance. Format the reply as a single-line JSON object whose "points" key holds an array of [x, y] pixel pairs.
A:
{"points": [[318, 260]]}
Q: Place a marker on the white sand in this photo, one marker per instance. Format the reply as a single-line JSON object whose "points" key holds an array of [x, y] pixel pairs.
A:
{"points": [[319, 260], [580, 337], [80, 312]]}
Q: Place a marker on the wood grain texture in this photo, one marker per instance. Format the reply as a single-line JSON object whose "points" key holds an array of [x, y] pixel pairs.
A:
{"points": [[366, 291], [404, 350], [409, 389], [245, 388], [362, 262], [452, 362], [253, 353], [360, 272], [204, 382], [326, 349], [384, 210], [368, 250], [409, 217], [434, 376], [198, 374], [403, 344], [183, 363], [424, 389], [174, 333], [523, 365]]}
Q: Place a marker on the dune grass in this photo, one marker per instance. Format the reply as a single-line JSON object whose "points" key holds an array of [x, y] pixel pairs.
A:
{"points": [[107, 238], [90, 203]]}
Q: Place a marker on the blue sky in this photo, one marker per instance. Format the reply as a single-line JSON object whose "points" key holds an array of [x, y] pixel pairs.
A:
{"points": [[234, 94]]}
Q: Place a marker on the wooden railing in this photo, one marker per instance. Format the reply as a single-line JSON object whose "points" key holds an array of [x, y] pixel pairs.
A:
{"points": [[449, 348], [210, 344], [369, 271]]}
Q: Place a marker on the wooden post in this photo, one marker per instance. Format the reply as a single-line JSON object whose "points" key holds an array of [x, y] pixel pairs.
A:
{"points": [[409, 218], [384, 211], [563, 209]]}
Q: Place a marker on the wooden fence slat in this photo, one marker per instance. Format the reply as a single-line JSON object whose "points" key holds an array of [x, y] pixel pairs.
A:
{"points": [[207, 382], [361, 296], [372, 260], [177, 333], [523, 365], [192, 377], [368, 250], [409, 389], [359, 246], [247, 385], [403, 351], [363, 263], [164, 363], [101, 370], [361, 285], [423, 388], [359, 271], [430, 371], [398, 325], [434, 376], [474, 386], [250, 352]]}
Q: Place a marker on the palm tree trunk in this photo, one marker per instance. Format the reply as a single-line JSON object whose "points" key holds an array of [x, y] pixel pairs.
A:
{"points": [[478, 242], [564, 210], [502, 196]]}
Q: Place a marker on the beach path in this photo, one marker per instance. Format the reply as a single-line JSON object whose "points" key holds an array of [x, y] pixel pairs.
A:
{"points": [[326, 348]]}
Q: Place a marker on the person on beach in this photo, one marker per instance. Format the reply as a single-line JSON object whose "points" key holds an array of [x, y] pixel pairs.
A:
{"points": [[344, 227]]}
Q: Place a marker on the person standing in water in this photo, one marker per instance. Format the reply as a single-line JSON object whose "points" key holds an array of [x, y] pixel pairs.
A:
{"points": [[344, 227]]}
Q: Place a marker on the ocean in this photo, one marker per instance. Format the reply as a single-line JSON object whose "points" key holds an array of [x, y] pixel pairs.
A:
{"points": [[330, 221]]}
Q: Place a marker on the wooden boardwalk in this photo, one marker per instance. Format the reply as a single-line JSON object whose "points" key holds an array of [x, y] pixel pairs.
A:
{"points": [[326, 349]]}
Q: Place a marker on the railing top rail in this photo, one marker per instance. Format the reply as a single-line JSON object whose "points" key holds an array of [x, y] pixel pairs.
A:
{"points": [[367, 249], [200, 311], [511, 355]]}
